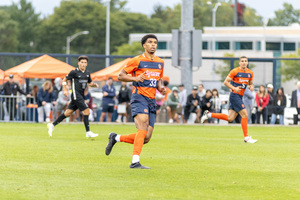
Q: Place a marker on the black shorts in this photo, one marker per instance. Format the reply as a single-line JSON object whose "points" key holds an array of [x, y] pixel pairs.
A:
{"points": [[108, 108], [75, 104]]}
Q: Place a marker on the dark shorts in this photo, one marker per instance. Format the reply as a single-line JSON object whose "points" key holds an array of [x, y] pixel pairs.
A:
{"points": [[143, 105], [236, 102], [78, 104], [108, 108]]}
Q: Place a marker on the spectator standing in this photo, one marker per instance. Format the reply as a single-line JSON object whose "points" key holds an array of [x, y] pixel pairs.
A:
{"points": [[295, 102], [271, 104], [278, 107], [216, 103], [182, 97], [45, 97], [11, 88], [248, 99], [192, 105], [206, 103], [173, 103], [262, 100], [108, 102], [57, 86], [62, 103], [124, 97], [201, 91]]}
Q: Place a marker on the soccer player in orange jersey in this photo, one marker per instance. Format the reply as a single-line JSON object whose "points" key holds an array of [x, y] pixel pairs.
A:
{"points": [[146, 74], [237, 81]]}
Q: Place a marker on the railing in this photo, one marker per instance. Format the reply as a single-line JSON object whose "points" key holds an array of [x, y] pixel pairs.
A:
{"points": [[17, 109]]}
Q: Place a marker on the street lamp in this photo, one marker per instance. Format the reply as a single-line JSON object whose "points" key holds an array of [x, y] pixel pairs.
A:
{"points": [[107, 33], [72, 37], [214, 10]]}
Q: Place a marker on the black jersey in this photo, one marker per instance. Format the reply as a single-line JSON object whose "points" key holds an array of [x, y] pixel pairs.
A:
{"points": [[79, 81]]}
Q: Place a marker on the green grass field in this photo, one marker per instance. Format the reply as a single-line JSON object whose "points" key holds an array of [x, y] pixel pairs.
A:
{"points": [[187, 162]]}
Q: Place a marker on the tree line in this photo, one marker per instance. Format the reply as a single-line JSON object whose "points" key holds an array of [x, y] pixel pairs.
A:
{"points": [[24, 30]]}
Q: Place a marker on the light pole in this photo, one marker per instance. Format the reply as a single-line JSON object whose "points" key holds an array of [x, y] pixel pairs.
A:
{"points": [[107, 33], [72, 37], [214, 10]]}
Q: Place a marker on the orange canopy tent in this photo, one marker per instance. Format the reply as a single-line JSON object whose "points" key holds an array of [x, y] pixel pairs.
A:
{"points": [[113, 71], [42, 67]]}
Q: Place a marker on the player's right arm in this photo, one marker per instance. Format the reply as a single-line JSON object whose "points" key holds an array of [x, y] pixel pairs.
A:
{"points": [[123, 76], [228, 84]]}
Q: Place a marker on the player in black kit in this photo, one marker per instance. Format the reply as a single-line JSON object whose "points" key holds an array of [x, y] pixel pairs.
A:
{"points": [[79, 78]]}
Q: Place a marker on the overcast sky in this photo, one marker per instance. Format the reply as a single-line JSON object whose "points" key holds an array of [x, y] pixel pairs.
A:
{"points": [[264, 8]]}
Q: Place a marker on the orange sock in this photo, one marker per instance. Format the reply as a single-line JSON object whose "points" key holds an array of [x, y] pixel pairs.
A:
{"points": [[244, 123], [128, 138], [139, 141], [219, 116]]}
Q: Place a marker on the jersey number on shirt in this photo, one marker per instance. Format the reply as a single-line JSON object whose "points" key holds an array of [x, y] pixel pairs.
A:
{"points": [[153, 82], [243, 86]]}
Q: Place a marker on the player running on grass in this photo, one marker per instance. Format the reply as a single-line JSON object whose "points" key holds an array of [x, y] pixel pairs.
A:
{"points": [[79, 78], [237, 81], [146, 72]]}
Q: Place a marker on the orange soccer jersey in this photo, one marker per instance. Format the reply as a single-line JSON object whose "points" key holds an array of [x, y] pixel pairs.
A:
{"points": [[153, 73], [240, 78]]}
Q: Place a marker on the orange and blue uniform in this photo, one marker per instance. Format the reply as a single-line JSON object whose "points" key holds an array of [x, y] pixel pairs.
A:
{"points": [[143, 94], [240, 78]]}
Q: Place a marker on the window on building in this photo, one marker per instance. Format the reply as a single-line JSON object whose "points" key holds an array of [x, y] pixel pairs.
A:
{"points": [[289, 46], [273, 46], [243, 46], [258, 45], [222, 45], [204, 45], [162, 45]]}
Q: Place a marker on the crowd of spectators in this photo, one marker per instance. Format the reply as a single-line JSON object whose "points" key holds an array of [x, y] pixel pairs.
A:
{"points": [[263, 107]]}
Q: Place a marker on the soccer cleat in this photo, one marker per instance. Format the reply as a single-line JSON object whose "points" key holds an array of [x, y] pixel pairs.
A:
{"points": [[250, 140], [138, 165], [50, 129], [204, 116], [90, 134], [111, 142]]}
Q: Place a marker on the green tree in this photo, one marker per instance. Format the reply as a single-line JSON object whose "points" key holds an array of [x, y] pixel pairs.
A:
{"points": [[285, 16], [290, 68], [8, 33], [129, 49], [28, 24], [251, 18]]}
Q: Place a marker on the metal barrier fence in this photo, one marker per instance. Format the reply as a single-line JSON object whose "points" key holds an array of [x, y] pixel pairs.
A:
{"points": [[17, 109]]}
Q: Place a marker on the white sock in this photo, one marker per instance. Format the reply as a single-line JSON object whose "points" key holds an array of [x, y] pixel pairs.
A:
{"points": [[246, 138], [117, 138], [209, 115], [135, 158]]}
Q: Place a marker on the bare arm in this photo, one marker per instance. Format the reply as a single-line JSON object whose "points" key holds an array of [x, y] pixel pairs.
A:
{"points": [[228, 84], [92, 84], [161, 88], [65, 89], [123, 76]]}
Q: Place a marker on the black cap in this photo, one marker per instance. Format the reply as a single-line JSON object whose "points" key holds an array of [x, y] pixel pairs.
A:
{"points": [[195, 88], [11, 76]]}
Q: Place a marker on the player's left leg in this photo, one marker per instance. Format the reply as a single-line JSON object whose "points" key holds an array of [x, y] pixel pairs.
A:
{"points": [[86, 114], [244, 124]]}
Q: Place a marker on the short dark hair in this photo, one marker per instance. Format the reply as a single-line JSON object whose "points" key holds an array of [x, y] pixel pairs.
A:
{"points": [[83, 57], [109, 78], [146, 37], [243, 57]]}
